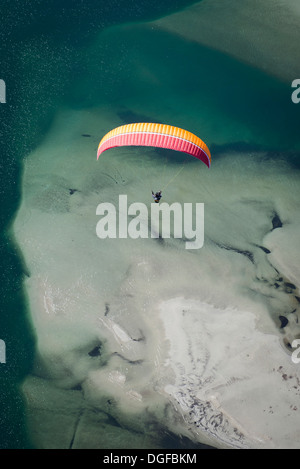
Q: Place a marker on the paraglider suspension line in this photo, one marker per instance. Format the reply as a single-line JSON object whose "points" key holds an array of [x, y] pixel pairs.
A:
{"points": [[173, 178]]}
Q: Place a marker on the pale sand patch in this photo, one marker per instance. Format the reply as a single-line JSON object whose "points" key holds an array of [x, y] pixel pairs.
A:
{"points": [[265, 34], [238, 384]]}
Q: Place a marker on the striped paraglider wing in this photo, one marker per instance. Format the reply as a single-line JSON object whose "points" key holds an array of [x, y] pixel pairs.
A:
{"points": [[156, 135]]}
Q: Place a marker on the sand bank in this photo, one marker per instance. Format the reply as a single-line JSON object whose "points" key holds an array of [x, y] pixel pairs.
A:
{"points": [[263, 34], [159, 338], [238, 385]]}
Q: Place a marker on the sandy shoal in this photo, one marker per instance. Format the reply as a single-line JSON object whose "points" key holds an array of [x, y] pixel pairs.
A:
{"points": [[264, 34], [144, 330]]}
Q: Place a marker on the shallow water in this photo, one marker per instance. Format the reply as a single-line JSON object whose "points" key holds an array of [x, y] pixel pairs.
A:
{"points": [[72, 92]]}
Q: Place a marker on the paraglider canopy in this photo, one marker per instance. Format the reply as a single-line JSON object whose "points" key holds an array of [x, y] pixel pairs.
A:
{"points": [[156, 135]]}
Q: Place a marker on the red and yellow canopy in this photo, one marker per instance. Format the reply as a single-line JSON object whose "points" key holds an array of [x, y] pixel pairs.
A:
{"points": [[156, 135]]}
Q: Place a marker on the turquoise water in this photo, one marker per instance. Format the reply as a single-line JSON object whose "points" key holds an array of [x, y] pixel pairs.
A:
{"points": [[53, 59]]}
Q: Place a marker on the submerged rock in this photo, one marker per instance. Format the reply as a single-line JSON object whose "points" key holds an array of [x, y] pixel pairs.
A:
{"points": [[284, 321]]}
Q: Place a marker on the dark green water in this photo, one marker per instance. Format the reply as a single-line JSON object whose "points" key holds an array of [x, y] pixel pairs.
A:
{"points": [[45, 65]]}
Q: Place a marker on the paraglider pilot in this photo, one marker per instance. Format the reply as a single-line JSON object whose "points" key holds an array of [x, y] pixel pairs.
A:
{"points": [[157, 196]]}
